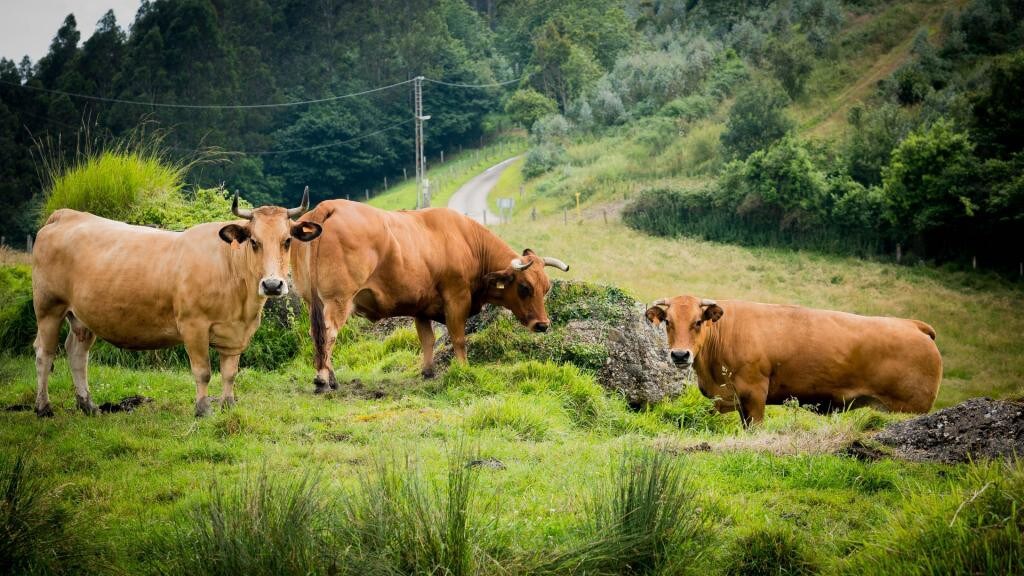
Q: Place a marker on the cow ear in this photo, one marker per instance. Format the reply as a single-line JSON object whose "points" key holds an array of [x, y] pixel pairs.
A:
{"points": [[713, 313], [499, 279], [234, 233], [528, 252], [306, 231], [655, 315]]}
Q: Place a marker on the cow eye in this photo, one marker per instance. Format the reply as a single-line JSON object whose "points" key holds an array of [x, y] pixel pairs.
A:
{"points": [[696, 325], [287, 243], [255, 244], [525, 290]]}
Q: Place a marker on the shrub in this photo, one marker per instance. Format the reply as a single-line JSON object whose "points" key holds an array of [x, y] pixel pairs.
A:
{"points": [[689, 108], [792, 61], [526, 106], [550, 128], [756, 120], [17, 316], [528, 417], [543, 158]]}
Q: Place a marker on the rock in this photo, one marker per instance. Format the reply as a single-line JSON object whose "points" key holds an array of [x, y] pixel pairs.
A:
{"points": [[597, 328], [975, 429]]}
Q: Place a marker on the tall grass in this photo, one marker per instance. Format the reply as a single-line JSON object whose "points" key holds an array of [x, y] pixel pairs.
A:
{"points": [[264, 525], [400, 523], [646, 520], [38, 535]]}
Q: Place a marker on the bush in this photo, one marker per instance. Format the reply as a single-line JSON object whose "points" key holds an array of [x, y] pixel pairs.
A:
{"points": [[756, 120], [544, 157], [526, 106], [689, 108], [17, 316]]}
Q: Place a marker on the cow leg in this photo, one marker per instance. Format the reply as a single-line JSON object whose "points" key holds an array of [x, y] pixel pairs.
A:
{"points": [[228, 370], [80, 339], [47, 336], [426, 333], [456, 311], [752, 398], [336, 314], [197, 344]]}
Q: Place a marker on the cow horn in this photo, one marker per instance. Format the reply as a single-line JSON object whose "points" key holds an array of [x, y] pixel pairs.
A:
{"points": [[549, 261], [240, 212], [518, 264], [707, 302], [293, 212], [660, 302]]}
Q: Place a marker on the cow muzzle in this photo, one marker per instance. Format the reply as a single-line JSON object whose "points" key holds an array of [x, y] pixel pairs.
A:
{"points": [[681, 358], [273, 287]]}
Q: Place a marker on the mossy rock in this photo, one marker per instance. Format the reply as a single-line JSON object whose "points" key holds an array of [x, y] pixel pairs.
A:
{"points": [[597, 328]]}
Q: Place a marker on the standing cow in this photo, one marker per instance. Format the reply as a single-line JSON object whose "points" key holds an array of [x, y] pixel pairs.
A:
{"points": [[142, 288], [747, 355], [432, 264]]}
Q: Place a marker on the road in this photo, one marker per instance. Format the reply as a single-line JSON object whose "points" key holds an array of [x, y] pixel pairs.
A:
{"points": [[471, 198]]}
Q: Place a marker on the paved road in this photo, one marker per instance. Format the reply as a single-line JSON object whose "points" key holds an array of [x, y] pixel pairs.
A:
{"points": [[471, 198]]}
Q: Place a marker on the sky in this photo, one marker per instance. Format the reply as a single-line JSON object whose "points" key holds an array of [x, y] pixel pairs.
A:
{"points": [[28, 26]]}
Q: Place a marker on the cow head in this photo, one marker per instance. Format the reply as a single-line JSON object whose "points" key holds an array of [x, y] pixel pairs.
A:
{"points": [[521, 288], [268, 236], [687, 322]]}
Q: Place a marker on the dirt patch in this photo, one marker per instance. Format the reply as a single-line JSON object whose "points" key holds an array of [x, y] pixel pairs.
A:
{"points": [[865, 451], [18, 408], [126, 404], [492, 463], [975, 429]]}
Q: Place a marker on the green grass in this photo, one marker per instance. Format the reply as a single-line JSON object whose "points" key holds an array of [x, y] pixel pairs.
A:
{"points": [[448, 177]]}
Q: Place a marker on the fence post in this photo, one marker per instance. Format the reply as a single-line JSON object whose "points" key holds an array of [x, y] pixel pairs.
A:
{"points": [[28, 244], [405, 175], [485, 217], [348, 197], [520, 191], [385, 183], [533, 214], [605, 216], [974, 262], [367, 194], [565, 215], [899, 252], [442, 156]]}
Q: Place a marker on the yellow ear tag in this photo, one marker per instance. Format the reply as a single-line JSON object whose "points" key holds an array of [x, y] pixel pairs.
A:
{"points": [[501, 285], [234, 244]]}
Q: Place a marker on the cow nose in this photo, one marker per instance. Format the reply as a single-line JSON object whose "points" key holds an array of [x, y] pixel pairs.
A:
{"points": [[681, 356], [540, 327], [272, 286]]}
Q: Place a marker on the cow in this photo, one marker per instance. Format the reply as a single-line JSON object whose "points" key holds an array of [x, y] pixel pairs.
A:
{"points": [[143, 288], [432, 264], [747, 354]]}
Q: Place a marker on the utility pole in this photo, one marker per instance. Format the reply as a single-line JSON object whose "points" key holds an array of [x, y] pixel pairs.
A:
{"points": [[421, 163]]}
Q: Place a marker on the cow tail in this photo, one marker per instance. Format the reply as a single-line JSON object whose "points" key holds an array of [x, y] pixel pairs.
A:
{"points": [[318, 326], [927, 329]]}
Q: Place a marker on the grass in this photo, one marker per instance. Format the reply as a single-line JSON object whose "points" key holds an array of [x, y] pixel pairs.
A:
{"points": [[446, 178]]}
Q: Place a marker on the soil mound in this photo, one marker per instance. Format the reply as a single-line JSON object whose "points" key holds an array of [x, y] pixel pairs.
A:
{"points": [[975, 429]]}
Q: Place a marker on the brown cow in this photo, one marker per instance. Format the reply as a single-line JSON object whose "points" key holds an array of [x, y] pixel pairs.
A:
{"points": [[432, 264], [143, 288], [748, 354]]}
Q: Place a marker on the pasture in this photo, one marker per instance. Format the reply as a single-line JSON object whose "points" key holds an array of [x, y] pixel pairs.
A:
{"points": [[548, 445]]}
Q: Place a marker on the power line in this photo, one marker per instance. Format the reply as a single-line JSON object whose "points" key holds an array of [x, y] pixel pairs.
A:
{"points": [[459, 85], [202, 106], [307, 148]]}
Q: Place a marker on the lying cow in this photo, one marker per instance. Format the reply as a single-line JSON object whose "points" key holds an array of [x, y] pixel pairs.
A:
{"points": [[747, 355], [142, 288], [432, 264]]}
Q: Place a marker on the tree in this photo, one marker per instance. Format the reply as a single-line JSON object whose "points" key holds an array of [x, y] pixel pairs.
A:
{"points": [[526, 106], [998, 124], [792, 61], [931, 185], [756, 119]]}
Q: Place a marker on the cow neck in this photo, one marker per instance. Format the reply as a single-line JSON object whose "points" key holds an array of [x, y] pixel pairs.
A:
{"points": [[245, 283], [493, 253], [708, 362]]}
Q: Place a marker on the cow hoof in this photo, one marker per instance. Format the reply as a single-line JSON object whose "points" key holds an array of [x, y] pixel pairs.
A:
{"points": [[428, 373], [320, 387], [332, 380], [203, 407], [44, 411], [227, 402], [86, 406]]}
